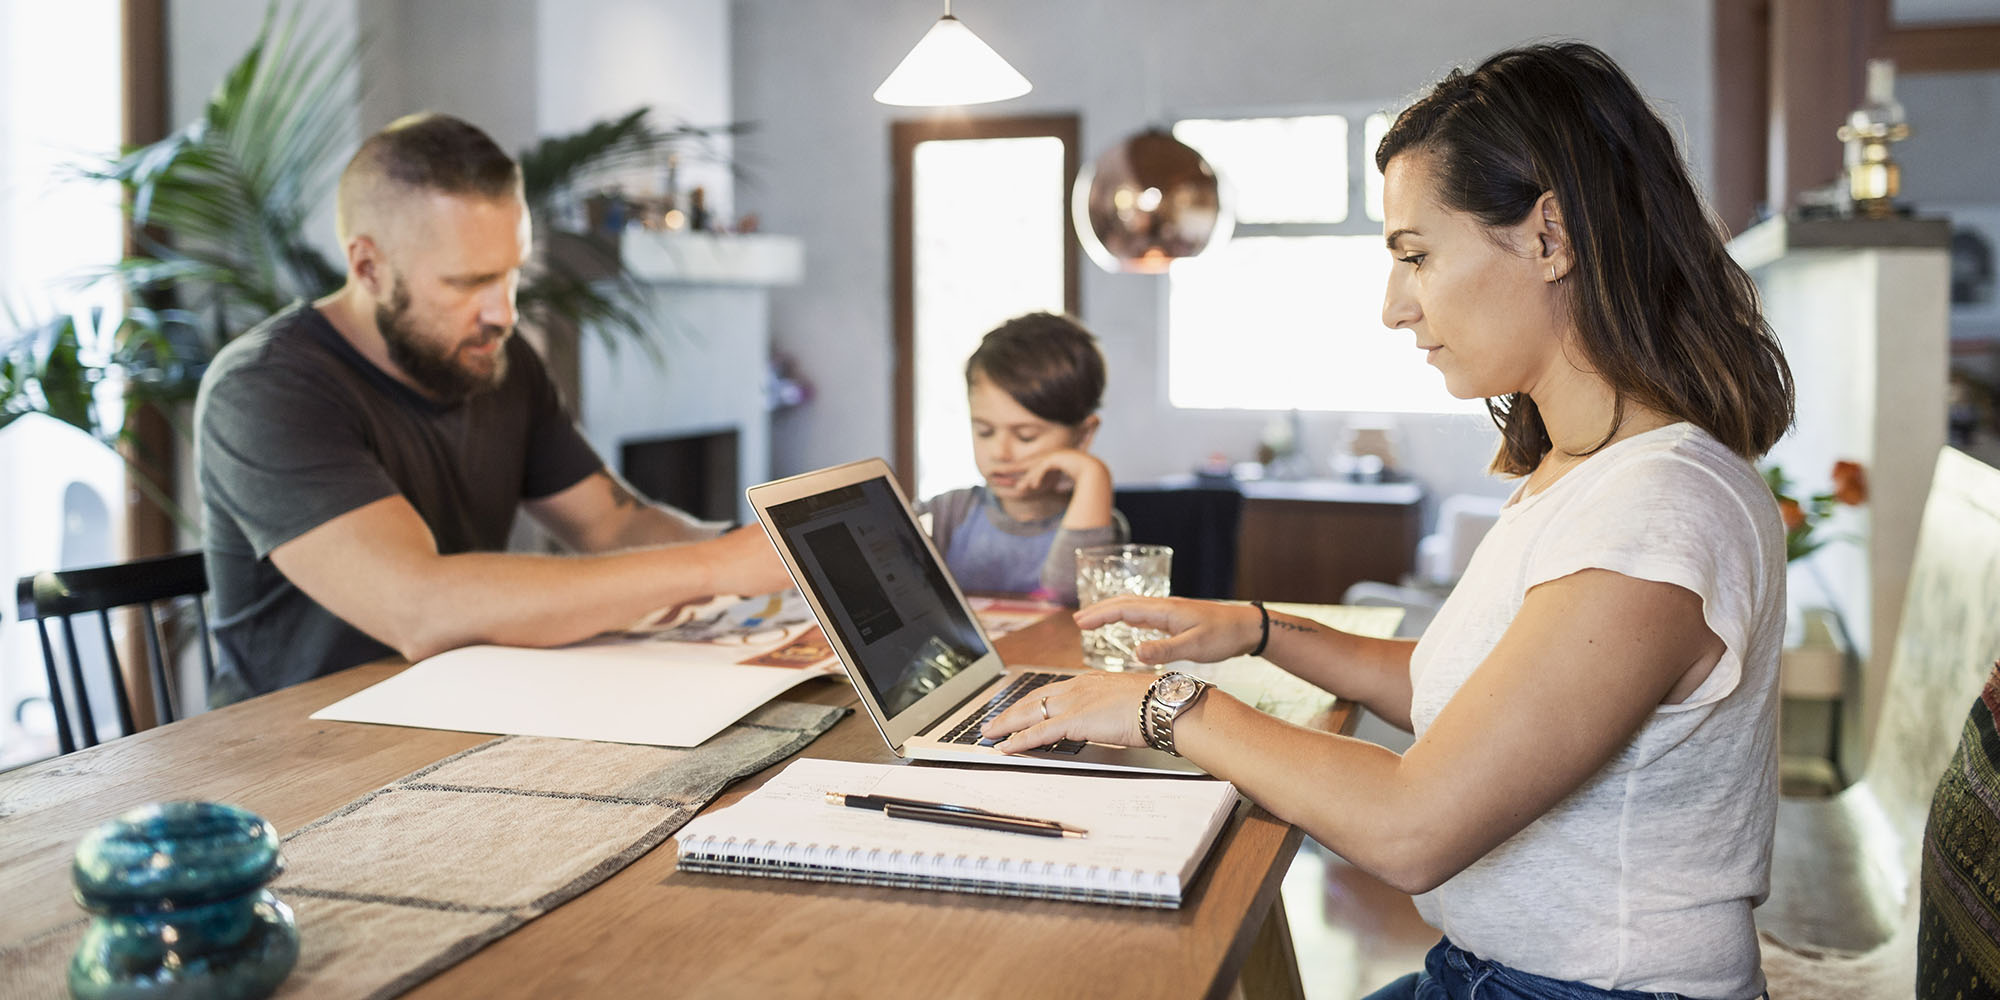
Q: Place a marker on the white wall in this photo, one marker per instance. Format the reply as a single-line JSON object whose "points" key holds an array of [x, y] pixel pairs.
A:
{"points": [[1954, 132], [520, 69], [475, 59], [602, 58], [803, 74], [206, 38]]}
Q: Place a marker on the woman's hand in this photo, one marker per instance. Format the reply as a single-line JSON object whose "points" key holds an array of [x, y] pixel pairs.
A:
{"points": [[1203, 631], [1096, 706]]}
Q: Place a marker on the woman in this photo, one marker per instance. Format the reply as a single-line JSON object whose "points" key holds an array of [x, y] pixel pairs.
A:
{"points": [[1589, 804]]}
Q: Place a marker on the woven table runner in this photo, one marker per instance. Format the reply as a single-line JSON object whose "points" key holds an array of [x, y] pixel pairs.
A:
{"points": [[406, 880]]}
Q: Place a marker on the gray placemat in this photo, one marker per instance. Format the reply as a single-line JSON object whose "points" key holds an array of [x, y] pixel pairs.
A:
{"points": [[406, 880]]}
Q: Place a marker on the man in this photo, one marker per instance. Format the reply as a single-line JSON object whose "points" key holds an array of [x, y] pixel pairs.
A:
{"points": [[362, 457]]}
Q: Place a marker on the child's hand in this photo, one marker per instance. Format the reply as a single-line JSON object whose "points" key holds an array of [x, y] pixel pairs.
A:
{"points": [[1085, 476], [1064, 471]]}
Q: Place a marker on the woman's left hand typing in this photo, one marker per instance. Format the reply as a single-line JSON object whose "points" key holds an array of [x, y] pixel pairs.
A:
{"points": [[1098, 706]]}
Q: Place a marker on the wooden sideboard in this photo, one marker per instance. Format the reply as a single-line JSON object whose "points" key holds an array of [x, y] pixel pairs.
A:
{"points": [[1303, 540], [1309, 540]]}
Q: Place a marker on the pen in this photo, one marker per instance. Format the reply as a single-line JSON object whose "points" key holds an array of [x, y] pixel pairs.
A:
{"points": [[981, 821], [956, 815]]}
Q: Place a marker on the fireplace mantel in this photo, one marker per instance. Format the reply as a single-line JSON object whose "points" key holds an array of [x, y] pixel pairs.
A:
{"points": [[683, 258]]}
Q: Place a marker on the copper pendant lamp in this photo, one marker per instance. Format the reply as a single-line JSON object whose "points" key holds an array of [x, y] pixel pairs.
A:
{"points": [[1147, 202]]}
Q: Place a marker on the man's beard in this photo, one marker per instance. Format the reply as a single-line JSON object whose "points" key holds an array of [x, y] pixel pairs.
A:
{"points": [[435, 368]]}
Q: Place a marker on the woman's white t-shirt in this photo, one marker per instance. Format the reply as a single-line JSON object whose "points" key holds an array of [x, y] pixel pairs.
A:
{"points": [[1643, 878]]}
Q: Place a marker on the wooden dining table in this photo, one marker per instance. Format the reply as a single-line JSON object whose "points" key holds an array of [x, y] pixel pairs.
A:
{"points": [[652, 931]]}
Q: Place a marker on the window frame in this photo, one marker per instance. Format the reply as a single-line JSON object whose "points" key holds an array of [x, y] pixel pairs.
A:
{"points": [[1360, 164], [904, 137], [1360, 160]]}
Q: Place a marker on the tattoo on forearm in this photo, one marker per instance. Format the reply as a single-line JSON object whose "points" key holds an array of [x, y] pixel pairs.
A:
{"points": [[1293, 626], [622, 498]]}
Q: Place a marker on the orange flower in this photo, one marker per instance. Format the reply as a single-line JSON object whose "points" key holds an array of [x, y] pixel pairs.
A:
{"points": [[1850, 483], [1790, 512]]}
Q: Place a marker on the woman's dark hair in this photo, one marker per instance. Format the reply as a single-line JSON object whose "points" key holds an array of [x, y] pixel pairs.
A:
{"points": [[1662, 311], [1050, 364]]}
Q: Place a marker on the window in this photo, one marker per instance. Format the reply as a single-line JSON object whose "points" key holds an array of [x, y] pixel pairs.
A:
{"points": [[982, 235], [1288, 313], [61, 496]]}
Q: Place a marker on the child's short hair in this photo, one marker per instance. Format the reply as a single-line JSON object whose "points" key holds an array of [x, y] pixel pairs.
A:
{"points": [[1050, 364]]}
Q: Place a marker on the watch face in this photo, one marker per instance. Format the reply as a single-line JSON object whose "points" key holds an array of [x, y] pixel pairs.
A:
{"points": [[1178, 688]]}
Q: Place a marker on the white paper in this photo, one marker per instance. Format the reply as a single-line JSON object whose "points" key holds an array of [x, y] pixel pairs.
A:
{"points": [[662, 688]]}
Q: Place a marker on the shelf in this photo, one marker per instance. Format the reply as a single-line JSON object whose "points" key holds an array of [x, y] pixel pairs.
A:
{"points": [[713, 259], [1767, 241]]}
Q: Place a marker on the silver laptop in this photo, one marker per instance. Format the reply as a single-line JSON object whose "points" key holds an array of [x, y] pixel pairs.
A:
{"points": [[910, 643]]}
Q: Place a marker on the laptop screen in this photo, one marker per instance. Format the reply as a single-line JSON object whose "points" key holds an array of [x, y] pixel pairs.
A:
{"points": [[889, 599]]}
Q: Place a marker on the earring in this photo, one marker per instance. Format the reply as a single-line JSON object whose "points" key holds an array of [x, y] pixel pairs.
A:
{"points": [[1553, 276]]}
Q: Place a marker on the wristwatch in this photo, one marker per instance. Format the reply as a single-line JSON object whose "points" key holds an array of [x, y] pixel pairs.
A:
{"points": [[1169, 696]]}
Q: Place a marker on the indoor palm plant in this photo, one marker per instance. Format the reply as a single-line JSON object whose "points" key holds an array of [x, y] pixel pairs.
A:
{"points": [[219, 210]]}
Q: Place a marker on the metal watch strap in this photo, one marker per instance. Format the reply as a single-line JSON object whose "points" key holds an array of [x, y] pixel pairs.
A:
{"points": [[1148, 711], [1160, 716]]}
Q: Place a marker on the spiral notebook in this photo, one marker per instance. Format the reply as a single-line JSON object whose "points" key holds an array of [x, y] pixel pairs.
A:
{"points": [[1146, 836]]}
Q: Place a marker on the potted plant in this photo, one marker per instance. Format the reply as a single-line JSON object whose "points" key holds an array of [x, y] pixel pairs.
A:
{"points": [[219, 211]]}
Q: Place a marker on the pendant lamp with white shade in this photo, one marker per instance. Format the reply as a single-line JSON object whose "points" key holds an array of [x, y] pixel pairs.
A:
{"points": [[951, 66]]}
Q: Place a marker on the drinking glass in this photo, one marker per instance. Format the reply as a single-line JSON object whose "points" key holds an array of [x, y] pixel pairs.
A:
{"points": [[1104, 571]]}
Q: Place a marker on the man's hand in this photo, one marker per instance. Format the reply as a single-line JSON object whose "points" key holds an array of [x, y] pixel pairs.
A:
{"points": [[378, 568]]}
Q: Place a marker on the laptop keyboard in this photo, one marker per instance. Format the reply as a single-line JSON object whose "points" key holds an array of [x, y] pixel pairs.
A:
{"points": [[967, 732]]}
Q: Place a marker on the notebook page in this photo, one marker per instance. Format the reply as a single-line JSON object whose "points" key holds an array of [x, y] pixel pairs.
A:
{"points": [[1153, 825]]}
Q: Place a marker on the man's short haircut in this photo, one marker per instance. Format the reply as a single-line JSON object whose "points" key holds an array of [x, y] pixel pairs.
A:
{"points": [[424, 152], [1050, 364]]}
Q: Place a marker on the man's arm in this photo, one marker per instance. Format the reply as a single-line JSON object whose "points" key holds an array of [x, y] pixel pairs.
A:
{"points": [[377, 568], [601, 513]]}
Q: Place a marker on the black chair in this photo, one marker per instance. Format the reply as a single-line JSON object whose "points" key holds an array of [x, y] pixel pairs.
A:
{"points": [[1200, 523], [146, 583]]}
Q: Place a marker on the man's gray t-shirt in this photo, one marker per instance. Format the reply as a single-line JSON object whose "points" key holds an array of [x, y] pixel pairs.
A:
{"points": [[294, 428]]}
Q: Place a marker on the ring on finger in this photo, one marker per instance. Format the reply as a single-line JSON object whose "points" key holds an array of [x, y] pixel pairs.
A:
{"points": [[1045, 708]]}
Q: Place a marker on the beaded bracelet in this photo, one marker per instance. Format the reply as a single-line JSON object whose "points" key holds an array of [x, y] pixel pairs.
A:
{"points": [[1263, 636]]}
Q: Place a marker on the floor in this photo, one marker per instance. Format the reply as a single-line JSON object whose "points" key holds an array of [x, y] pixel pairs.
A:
{"points": [[1352, 932]]}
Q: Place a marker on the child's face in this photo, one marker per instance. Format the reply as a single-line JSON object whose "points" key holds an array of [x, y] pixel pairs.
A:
{"points": [[1006, 437]]}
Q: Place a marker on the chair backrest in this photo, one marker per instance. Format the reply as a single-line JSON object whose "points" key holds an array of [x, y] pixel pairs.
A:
{"points": [[1946, 643], [60, 595], [1200, 524]]}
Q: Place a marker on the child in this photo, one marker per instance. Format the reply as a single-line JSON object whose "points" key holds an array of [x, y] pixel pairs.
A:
{"points": [[1033, 386]]}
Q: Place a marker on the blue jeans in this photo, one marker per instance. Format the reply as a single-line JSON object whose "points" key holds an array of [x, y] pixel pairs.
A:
{"points": [[1452, 973]]}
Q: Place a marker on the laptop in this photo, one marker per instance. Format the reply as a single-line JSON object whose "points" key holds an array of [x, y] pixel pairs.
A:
{"points": [[916, 653]]}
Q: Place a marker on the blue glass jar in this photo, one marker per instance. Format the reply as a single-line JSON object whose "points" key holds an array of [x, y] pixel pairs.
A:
{"points": [[179, 904]]}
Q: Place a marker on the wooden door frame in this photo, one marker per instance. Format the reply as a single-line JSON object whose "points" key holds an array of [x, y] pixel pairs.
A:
{"points": [[903, 139], [1796, 69], [151, 447]]}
